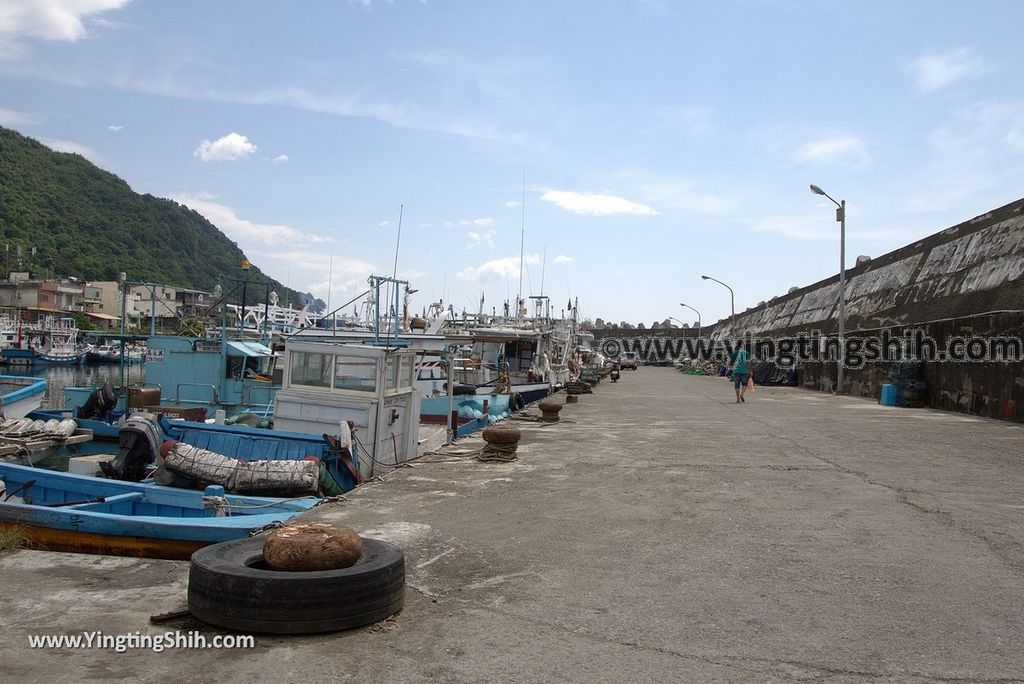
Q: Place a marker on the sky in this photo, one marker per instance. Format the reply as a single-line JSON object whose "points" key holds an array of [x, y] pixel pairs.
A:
{"points": [[618, 149]]}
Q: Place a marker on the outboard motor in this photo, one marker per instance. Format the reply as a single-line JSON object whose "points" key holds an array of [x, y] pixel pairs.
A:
{"points": [[139, 441], [99, 403]]}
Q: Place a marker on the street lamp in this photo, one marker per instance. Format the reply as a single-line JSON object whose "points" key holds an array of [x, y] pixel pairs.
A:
{"points": [[732, 296], [245, 283], [696, 312], [841, 218]]}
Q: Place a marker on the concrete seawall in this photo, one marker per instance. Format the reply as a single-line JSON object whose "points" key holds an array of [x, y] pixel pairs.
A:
{"points": [[967, 280]]}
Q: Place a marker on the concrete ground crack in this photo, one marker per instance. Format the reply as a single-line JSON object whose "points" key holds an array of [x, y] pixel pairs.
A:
{"points": [[900, 494], [776, 667]]}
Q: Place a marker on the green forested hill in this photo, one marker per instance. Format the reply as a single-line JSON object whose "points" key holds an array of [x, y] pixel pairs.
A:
{"points": [[88, 223]]}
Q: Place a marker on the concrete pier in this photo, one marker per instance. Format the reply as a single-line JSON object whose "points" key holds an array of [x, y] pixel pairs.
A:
{"points": [[659, 532]]}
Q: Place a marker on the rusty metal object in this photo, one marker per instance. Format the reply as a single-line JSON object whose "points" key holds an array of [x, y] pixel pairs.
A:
{"points": [[549, 409], [572, 399], [501, 434], [312, 547]]}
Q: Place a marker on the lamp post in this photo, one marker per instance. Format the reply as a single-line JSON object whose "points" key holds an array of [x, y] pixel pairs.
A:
{"points": [[687, 306], [732, 296], [841, 218], [245, 283], [122, 279]]}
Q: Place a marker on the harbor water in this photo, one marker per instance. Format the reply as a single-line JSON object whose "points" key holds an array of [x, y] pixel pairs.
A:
{"points": [[59, 377]]}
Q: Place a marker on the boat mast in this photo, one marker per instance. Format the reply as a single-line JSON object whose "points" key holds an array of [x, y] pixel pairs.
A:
{"points": [[522, 243]]}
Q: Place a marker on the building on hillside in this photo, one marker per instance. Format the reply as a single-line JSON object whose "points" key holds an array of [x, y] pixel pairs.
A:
{"points": [[102, 304], [29, 299], [193, 302]]}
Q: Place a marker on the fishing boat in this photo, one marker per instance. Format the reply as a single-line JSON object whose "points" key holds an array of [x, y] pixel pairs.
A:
{"points": [[239, 442], [81, 514], [193, 378], [20, 395], [50, 342]]}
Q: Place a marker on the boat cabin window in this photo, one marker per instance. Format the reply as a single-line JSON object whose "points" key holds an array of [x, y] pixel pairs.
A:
{"points": [[354, 373], [238, 366], [406, 376], [311, 369], [399, 375], [391, 382]]}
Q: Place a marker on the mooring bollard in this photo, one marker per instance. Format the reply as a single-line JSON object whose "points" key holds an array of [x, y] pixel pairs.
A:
{"points": [[572, 399], [501, 434], [549, 409], [502, 441]]}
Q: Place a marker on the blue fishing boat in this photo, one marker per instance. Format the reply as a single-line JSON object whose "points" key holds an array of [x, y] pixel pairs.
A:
{"points": [[239, 442], [81, 514], [20, 395]]}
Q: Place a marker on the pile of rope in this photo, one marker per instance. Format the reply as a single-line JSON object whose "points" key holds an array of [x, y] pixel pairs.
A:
{"points": [[498, 452], [505, 453], [578, 387]]}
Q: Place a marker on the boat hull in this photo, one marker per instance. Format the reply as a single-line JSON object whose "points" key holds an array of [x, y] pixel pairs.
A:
{"points": [[68, 512], [25, 396], [29, 357], [70, 541]]}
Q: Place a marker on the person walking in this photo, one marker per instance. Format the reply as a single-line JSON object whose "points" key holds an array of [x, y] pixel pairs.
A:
{"points": [[740, 371]]}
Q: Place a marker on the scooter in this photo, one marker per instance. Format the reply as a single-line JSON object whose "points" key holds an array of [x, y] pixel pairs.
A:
{"points": [[614, 375]]}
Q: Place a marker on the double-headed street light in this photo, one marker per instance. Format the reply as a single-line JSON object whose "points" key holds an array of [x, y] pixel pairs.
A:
{"points": [[732, 296], [841, 218], [687, 306]]}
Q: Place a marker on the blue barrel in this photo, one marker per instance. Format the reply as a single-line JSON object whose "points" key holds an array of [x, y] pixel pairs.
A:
{"points": [[892, 395]]}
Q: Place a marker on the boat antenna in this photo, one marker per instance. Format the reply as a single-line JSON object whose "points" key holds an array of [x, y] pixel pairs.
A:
{"points": [[543, 264], [522, 243], [394, 273], [330, 279], [398, 242]]}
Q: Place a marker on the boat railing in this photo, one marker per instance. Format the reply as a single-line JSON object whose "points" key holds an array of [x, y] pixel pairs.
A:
{"points": [[177, 393]]}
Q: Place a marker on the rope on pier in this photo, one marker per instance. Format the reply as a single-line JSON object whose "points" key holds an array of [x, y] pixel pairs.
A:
{"points": [[506, 453]]}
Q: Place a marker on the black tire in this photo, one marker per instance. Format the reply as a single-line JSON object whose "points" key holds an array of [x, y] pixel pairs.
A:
{"points": [[516, 402], [228, 588]]}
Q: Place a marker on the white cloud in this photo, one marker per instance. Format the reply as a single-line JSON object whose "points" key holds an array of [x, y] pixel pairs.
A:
{"points": [[115, 127], [466, 223], [676, 194], [933, 72], [563, 259], [497, 269], [971, 156], [836, 148], [280, 159], [513, 204], [231, 146], [9, 117], [477, 239], [73, 148], [596, 204], [807, 227], [241, 230], [50, 19], [334, 279]]}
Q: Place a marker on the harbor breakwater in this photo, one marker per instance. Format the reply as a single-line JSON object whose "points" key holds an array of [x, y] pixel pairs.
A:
{"points": [[964, 282]]}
